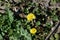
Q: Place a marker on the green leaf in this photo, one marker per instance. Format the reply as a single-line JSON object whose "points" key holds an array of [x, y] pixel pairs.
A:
{"points": [[13, 37], [48, 25], [38, 23], [51, 38], [1, 38], [10, 15], [25, 34], [26, 10], [57, 36], [55, 18], [28, 27], [22, 31]]}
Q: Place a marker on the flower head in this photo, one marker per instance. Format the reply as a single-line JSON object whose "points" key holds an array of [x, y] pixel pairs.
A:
{"points": [[30, 17], [33, 31]]}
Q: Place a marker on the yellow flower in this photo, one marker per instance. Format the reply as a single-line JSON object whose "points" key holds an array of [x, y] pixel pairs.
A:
{"points": [[30, 17], [33, 31]]}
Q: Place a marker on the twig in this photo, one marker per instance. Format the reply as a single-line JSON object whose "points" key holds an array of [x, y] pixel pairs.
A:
{"points": [[56, 27]]}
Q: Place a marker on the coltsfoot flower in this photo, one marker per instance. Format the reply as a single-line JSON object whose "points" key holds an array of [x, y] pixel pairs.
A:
{"points": [[31, 16], [33, 31]]}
